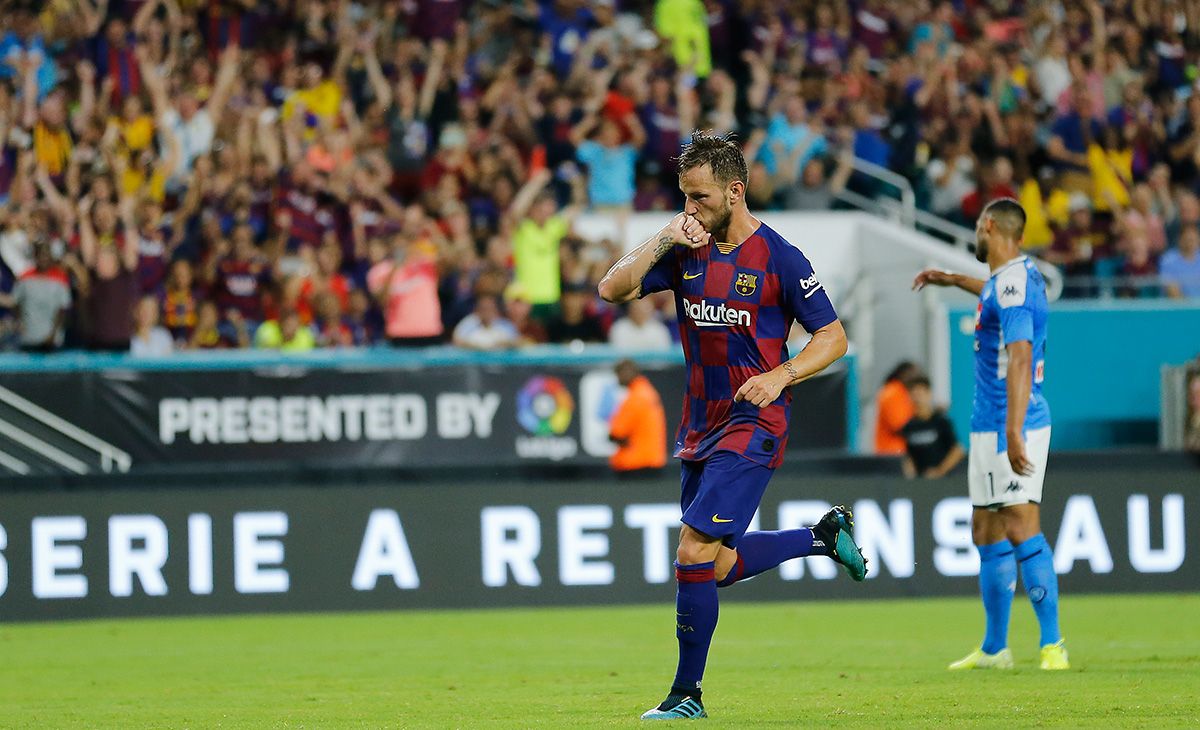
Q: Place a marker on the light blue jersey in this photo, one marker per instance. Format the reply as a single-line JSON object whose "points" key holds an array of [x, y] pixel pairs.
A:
{"points": [[1012, 307]]}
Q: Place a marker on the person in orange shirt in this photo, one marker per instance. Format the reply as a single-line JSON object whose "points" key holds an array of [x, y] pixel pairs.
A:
{"points": [[895, 409], [638, 426]]}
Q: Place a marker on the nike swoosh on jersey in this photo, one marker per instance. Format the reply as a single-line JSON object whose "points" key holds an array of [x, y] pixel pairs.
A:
{"points": [[717, 519], [688, 277]]}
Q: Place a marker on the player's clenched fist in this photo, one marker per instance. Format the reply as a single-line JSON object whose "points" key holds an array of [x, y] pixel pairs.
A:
{"points": [[761, 390], [686, 230]]}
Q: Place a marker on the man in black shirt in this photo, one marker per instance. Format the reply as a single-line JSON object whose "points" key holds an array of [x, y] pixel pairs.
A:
{"points": [[933, 449], [573, 321]]}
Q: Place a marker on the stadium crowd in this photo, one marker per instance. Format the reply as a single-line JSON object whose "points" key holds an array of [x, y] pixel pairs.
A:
{"points": [[179, 174]]}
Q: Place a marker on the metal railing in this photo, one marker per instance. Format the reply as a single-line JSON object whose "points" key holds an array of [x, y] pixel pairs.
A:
{"points": [[110, 455], [908, 197], [904, 211]]}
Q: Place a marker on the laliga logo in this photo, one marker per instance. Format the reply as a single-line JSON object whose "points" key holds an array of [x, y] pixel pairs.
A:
{"points": [[545, 406], [544, 410]]}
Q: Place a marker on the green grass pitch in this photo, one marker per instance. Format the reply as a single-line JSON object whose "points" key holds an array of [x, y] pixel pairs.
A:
{"points": [[1136, 662]]}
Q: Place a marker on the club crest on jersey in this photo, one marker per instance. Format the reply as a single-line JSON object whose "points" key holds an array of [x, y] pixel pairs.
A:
{"points": [[745, 283]]}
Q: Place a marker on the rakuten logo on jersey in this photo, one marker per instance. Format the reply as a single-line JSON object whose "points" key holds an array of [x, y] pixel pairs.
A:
{"points": [[707, 315]]}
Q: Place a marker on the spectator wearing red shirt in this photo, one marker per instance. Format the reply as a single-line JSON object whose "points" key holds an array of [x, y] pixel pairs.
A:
{"points": [[325, 278], [996, 184]]}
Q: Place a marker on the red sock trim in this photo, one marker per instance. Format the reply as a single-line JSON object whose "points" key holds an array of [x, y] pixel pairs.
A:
{"points": [[687, 574]]}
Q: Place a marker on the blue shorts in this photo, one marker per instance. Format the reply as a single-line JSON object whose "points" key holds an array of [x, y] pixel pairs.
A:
{"points": [[720, 495]]}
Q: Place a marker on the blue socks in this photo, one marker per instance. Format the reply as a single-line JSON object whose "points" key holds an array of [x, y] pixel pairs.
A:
{"points": [[695, 621], [998, 577], [758, 552], [997, 582], [1041, 583], [696, 601]]}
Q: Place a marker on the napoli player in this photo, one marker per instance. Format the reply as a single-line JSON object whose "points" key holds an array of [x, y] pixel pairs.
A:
{"points": [[1010, 436], [738, 286]]}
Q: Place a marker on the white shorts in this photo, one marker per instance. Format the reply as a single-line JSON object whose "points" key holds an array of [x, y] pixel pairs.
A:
{"points": [[990, 477]]}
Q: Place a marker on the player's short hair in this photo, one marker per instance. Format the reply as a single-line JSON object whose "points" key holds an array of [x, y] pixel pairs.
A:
{"points": [[720, 152], [1009, 215]]}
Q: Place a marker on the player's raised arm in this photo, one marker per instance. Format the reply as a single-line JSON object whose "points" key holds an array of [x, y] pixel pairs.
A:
{"points": [[938, 277], [623, 281]]}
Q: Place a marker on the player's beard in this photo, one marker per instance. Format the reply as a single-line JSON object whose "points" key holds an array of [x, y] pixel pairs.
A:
{"points": [[720, 225], [981, 249]]}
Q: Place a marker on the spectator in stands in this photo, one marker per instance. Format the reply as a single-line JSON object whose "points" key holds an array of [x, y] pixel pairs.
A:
{"points": [[538, 231], [41, 298], [1072, 134], [610, 161], [180, 301], [1138, 267], [817, 190], [237, 274], [640, 329], [193, 121], [211, 334], [791, 141], [638, 427], [951, 176], [329, 327], [573, 322], [519, 309], [684, 24], [1191, 436], [486, 328], [149, 339], [1077, 247], [931, 448], [1187, 215], [894, 408], [405, 287], [112, 290], [286, 333], [995, 183], [1180, 267]]}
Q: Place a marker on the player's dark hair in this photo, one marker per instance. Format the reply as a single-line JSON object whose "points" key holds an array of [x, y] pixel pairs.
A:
{"points": [[1009, 215], [720, 152]]}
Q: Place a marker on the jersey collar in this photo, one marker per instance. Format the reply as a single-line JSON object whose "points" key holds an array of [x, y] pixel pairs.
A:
{"points": [[727, 248], [1009, 263]]}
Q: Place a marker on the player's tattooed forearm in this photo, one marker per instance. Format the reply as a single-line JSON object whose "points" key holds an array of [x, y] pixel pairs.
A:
{"points": [[793, 376], [664, 244]]}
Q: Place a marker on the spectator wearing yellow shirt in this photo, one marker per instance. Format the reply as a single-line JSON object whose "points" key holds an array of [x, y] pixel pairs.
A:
{"points": [[318, 101], [51, 140], [685, 24], [134, 125], [286, 334], [538, 231]]}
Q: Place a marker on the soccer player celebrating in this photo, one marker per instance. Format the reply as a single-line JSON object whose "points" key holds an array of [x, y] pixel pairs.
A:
{"points": [[1010, 436], [738, 286]]}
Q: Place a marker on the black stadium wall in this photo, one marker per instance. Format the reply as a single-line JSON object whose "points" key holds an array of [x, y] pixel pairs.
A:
{"points": [[453, 415], [1115, 524]]}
